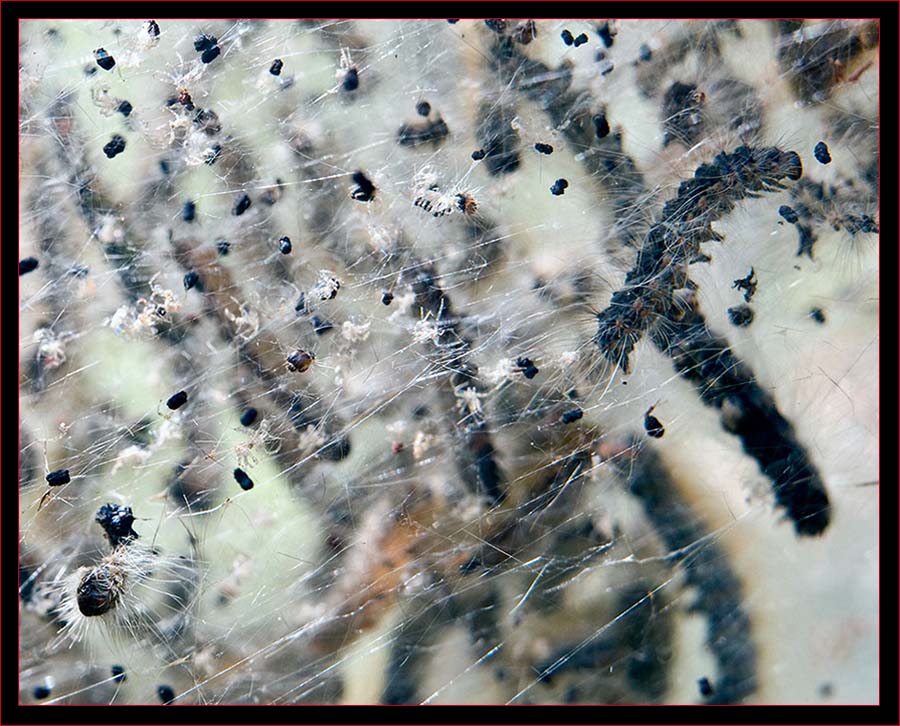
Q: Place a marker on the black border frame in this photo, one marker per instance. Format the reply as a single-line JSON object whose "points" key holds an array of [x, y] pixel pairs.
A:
{"points": [[887, 712]]}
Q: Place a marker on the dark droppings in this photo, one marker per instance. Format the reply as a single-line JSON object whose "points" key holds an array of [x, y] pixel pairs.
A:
{"points": [[559, 187], [116, 521], [28, 264], [209, 55], [243, 480], [652, 425], [58, 478], [241, 205], [177, 400], [601, 126], [741, 315], [104, 59], [351, 80], [114, 147], [822, 154], [789, 215], [364, 190], [571, 416], [204, 42]]}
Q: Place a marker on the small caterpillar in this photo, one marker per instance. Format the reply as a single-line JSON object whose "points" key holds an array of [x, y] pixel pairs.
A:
{"points": [[674, 241]]}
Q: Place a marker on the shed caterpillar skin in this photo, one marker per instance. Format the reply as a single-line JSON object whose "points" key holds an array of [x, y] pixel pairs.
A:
{"points": [[129, 593]]}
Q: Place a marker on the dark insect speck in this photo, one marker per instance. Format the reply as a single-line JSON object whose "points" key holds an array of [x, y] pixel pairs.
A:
{"points": [[204, 42], [118, 673], [601, 125], [543, 148], [706, 689], [208, 56], [559, 187], [478, 155], [104, 59], [125, 108], [528, 369], [365, 189], [740, 315], [241, 205], [58, 478], [821, 153], [571, 416], [249, 416], [29, 264], [818, 315], [166, 693], [644, 52], [41, 692], [189, 211], [116, 520], [453, 21], [153, 28], [115, 146], [300, 305], [567, 37], [243, 480], [351, 80], [387, 297], [652, 425], [275, 68], [223, 246], [423, 108], [284, 245], [788, 213], [177, 400], [191, 280], [580, 40]]}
